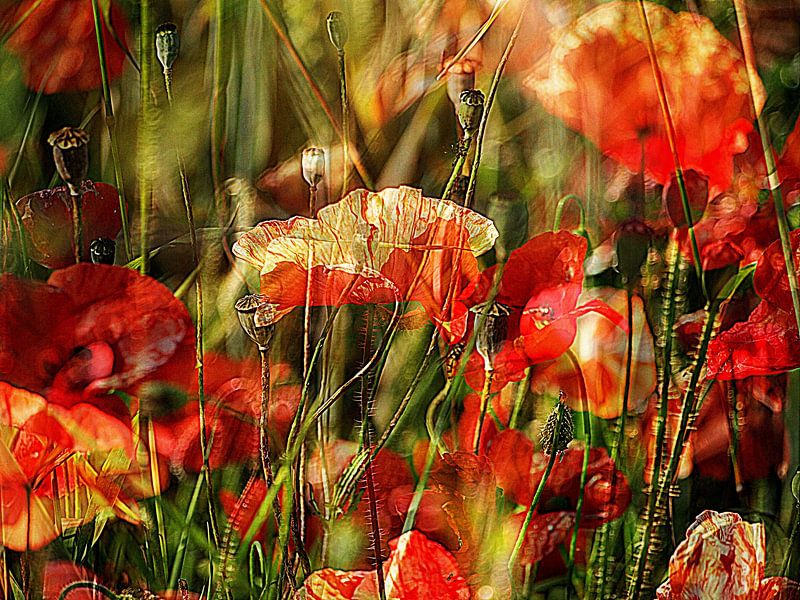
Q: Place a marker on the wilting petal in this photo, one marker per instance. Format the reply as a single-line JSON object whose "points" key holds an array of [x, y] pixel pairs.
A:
{"points": [[409, 245], [721, 557], [57, 44], [599, 81], [47, 218]]}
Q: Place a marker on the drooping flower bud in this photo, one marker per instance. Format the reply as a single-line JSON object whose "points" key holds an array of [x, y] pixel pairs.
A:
{"points": [[632, 243], [257, 318], [559, 429], [337, 30], [168, 45], [71, 155], [313, 166], [101, 251], [720, 263], [470, 110], [490, 335], [510, 216]]}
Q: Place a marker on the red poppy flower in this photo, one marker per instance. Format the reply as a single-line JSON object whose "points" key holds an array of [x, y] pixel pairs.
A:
{"points": [[57, 44], [233, 406], [416, 568], [598, 80], [541, 283], [369, 247], [92, 334], [47, 218], [767, 342], [600, 348], [519, 471], [723, 557]]}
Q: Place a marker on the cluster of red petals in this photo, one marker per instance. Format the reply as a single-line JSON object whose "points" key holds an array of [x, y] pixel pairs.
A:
{"points": [[233, 406], [417, 568], [598, 79], [47, 218], [57, 45], [723, 557], [767, 342], [370, 247], [90, 335], [541, 282]]}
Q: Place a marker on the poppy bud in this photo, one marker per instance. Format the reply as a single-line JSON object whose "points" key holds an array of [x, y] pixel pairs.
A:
{"points": [[101, 251], [470, 110], [720, 263], [696, 192], [460, 78], [559, 418], [510, 217], [337, 30], [71, 155], [168, 45], [793, 216], [313, 165], [632, 244], [491, 334], [257, 317]]}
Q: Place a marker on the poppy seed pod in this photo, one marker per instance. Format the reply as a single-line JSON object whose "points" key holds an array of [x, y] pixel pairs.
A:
{"points": [[470, 110], [337, 30], [313, 165], [257, 317], [71, 155], [632, 244], [168, 45], [101, 251], [559, 418], [491, 334]]}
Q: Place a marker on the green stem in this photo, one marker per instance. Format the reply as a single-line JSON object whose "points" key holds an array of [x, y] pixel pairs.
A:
{"points": [[77, 224], [458, 166], [145, 125], [488, 376], [522, 392], [498, 73], [536, 497], [87, 585], [345, 122], [110, 123], [562, 203]]}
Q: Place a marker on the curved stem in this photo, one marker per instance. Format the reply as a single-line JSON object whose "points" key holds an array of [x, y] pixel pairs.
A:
{"points": [[562, 203], [345, 122], [87, 585]]}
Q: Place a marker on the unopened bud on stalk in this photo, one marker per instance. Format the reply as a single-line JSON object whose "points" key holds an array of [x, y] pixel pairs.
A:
{"points": [[632, 243], [460, 78], [168, 45], [337, 30], [71, 155], [490, 335], [257, 318], [559, 418], [101, 251], [313, 165], [470, 110]]}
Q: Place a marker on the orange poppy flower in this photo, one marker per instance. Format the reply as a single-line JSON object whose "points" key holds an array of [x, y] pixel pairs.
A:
{"points": [[601, 348], [416, 568], [370, 247], [57, 44], [723, 557], [598, 80]]}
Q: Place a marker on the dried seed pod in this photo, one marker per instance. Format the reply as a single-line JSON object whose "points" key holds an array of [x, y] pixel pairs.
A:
{"points": [[71, 155], [491, 334], [470, 110], [168, 45], [101, 251], [313, 165], [337, 30], [257, 318], [559, 418]]}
